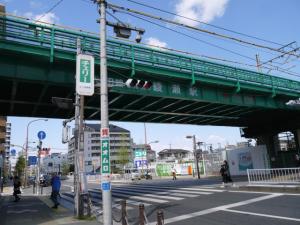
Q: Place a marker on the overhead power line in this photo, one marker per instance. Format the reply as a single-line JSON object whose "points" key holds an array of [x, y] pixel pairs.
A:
{"points": [[120, 8], [53, 7], [197, 39], [271, 67], [208, 24]]}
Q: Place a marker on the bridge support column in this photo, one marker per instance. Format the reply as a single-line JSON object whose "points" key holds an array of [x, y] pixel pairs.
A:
{"points": [[272, 144], [297, 140]]}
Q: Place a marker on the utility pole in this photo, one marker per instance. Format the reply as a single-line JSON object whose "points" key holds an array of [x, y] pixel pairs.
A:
{"points": [[37, 189], [258, 65], [105, 167], [195, 156], [123, 31], [78, 208]]}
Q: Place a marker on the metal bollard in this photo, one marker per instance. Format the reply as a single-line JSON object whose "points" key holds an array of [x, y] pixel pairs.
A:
{"points": [[33, 188], [141, 214], [123, 211], [41, 188], [160, 217]]}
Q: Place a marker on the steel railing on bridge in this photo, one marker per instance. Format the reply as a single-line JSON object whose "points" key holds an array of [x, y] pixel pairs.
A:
{"points": [[52, 39], [274, 176]]}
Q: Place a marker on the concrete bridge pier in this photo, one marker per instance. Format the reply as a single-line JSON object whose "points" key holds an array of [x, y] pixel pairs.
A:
{"points": [[277, 157]]}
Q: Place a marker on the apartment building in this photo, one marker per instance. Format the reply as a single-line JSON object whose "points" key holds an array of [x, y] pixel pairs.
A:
{"points": [[120, 141]]}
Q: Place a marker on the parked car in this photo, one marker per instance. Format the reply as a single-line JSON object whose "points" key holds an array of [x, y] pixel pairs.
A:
{"points": [[135, 175], [45, 180], [31, 180]]}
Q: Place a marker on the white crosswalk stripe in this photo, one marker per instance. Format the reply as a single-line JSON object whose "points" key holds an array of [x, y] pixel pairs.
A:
{"points": [[136, 194]]}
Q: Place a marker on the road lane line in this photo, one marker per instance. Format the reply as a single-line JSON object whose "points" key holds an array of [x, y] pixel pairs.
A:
{"points": [[202, 189], [147, 195], [192, 192], [215, 209], [260, 214]]}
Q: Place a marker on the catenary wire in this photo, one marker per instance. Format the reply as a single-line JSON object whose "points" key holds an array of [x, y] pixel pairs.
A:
{"points": [[120, 8], [208, 24], [53, 7]]}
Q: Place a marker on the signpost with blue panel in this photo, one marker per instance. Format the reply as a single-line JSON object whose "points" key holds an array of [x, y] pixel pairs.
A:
{"points": [[41, 135]]}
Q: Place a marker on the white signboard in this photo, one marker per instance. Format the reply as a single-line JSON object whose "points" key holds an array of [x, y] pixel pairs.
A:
{"points": [[85, 75]]}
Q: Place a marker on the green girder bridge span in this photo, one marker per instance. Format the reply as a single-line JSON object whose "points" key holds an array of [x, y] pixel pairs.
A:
{"points": [[37, 62]]}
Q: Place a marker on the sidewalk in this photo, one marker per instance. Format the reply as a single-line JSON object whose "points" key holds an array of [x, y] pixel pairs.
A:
{"points": [[36, 210]]}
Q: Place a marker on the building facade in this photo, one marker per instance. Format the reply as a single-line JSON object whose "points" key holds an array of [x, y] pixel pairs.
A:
{"points": [[54, 163], [5, 133], [175, 155], [120, 148]]}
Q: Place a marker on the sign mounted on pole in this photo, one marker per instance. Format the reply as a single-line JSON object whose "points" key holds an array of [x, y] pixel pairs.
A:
{"points": [[105, 156], [41, 135], [85, 75]]}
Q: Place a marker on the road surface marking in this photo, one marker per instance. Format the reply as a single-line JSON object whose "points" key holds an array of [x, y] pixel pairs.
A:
{"points": [[202, 189], [148, 195], [215, 209], [192, 192], [140, 198], [18, 211], [263, 215], [261, 192]]}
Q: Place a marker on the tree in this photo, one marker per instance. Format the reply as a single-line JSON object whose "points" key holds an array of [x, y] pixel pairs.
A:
{"points": [[123, 153], [65, 168], [20, 166]]}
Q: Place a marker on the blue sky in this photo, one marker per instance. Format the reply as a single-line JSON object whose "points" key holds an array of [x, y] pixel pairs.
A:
{"points": [[272, 20]]}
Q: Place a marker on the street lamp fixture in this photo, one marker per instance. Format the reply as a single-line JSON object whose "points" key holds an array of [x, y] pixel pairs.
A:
{"points": [[153, 142], [195, 154]]}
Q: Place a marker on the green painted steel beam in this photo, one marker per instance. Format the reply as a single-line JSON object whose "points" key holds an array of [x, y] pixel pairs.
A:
{"points": [[138, 58]]}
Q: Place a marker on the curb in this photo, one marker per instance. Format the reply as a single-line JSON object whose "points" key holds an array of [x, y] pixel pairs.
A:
{"points": [[282, 189]]}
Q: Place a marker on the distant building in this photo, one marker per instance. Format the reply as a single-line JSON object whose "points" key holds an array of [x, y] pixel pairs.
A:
{"points": [[5, 132], [120, 140], [142, 155], [175, 155], [53, 163]]}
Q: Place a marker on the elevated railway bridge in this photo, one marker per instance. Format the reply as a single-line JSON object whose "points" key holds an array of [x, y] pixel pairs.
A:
{"points": [[37, 62]]}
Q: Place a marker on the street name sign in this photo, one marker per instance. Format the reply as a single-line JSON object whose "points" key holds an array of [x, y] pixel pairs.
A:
{"points": [[105, 156], [85, 75]]}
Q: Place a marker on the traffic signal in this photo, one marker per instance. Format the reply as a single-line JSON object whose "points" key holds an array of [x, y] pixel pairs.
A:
{"points": [[138, 83]]}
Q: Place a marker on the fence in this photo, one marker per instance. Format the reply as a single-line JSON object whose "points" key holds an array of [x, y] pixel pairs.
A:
{"points": [[274, 176]]}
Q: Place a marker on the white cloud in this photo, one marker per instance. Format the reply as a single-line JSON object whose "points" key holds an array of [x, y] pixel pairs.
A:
{"points": [[215, 139], [28, 15], [203, 10], [47, 18], [156, 43], [34, 4]]}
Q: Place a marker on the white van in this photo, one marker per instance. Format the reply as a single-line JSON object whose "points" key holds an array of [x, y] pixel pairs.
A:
{"points": [[132, 173]]}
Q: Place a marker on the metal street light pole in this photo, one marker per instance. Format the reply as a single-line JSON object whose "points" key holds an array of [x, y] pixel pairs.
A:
{"points": [[26, 149]]}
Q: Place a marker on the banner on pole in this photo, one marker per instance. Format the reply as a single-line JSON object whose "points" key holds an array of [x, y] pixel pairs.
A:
{"points": [[85, 75], [105, 156]]}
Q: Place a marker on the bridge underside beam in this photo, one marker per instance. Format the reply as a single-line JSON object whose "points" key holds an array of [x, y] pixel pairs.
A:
{"points": [[168, 101]]}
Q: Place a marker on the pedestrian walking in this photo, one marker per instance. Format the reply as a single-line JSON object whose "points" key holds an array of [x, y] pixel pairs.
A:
{"points": [[55, 183], [174, 173], [17, 188], [224, 171]]}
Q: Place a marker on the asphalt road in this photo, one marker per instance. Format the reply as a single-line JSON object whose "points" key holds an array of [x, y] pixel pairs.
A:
{"points": [[191, 202]]}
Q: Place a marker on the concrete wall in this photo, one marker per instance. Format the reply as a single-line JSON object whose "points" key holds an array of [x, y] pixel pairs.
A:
{"points": [[245, 158]]}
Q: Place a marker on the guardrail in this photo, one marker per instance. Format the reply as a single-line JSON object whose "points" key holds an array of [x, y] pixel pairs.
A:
{"points": [[274, 176], [53, 38]]}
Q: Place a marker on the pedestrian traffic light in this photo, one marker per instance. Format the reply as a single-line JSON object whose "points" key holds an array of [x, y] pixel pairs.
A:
{"points": [[138, 83]]}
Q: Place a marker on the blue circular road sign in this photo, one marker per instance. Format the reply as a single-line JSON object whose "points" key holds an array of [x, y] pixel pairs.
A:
{"points": [[13, 152], [41, 135]]}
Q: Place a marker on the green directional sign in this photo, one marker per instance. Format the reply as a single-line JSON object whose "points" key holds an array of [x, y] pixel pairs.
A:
{"points": [[85, 71], [85, 75], [105, 156]]}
